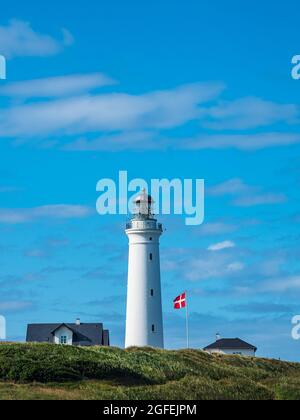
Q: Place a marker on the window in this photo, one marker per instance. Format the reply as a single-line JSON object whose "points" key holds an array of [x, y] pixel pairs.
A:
{"points": [[63, 339], [151, 257], [153, 328], [152, 292]]}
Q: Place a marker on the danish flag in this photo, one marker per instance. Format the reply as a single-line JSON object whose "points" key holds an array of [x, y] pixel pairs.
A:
{"points": [[180, 301]]}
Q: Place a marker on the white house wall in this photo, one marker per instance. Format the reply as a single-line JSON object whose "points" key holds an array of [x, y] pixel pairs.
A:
{"points": [[248, 353], [63, 331]]}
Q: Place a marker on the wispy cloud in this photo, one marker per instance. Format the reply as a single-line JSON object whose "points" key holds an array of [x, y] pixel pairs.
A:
{"points": [[36, 253], [281, 285], [261, 308], [233, 271], [201, 264], [15, 306], [249, 113], [108, 112], [120, 121], [296, 218], [56, 86], [134, 140], [246, 195], [18, 39], [213, 266], [230, 187], [244, 142], [217, 228], [221, 246], [260, 199], [61, 211], [8, 189], [140, 140], [46, 249]]}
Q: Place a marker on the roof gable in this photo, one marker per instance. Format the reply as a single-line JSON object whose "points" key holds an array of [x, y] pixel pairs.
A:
{"points": [[60, 326]]}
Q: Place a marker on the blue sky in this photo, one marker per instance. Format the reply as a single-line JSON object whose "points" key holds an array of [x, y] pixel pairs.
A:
{"points": [[168, 89]]}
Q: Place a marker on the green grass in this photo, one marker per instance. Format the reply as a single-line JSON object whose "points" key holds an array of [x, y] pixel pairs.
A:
{"points": [[45, 371]]}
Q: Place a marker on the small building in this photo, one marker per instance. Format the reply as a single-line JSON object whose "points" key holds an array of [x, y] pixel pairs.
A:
{"points": [[231, 346], [78, 334]]}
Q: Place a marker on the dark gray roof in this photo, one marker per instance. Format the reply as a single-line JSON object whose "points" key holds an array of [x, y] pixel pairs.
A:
{"points": [[83, 334], [230, 344]]}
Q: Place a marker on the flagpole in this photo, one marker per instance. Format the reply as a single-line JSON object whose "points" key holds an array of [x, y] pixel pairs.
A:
{"points": [[187, 321]]}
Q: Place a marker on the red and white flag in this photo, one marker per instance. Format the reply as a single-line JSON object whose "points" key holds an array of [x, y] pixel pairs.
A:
{"points": [[180, 301]]}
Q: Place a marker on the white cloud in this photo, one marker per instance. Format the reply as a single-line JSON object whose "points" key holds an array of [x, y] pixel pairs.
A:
{"points": [[198, 265], [18, 39], [120, 121], [108, 112], [56, 86], [248, 113], [60, 211], [212, 266], [221, 246]]}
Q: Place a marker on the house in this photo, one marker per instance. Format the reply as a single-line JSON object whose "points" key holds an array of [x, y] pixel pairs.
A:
{"points": [[78, 334], [231, 346]]}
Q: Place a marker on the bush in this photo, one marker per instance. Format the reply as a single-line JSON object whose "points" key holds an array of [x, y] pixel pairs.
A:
{"points": [[151, 374]]}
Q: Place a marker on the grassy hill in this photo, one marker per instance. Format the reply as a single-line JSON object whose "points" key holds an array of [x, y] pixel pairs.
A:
{"points": [[43, 371]]}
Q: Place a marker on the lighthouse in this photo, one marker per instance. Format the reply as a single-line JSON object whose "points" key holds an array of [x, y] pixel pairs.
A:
{"points": [[144, 323]]}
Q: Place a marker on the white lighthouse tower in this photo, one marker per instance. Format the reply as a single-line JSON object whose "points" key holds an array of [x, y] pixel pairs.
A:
{"points": [[144, 323]]}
